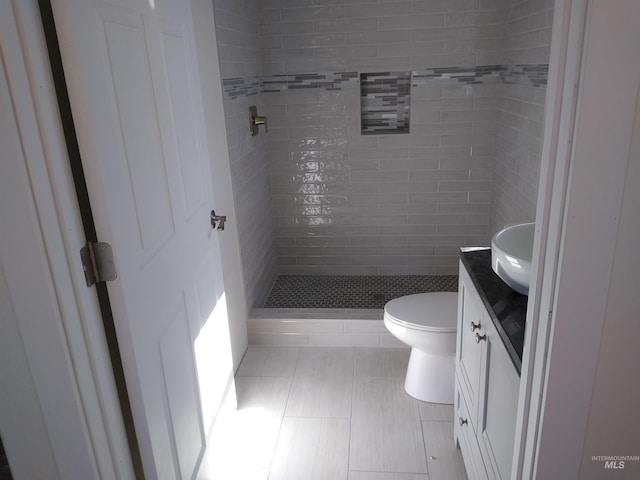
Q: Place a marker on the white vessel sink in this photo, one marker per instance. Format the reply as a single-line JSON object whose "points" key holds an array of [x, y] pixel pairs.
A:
{"points": [[511, 251]]}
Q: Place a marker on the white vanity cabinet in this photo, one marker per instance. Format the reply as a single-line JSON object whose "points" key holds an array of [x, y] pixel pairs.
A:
{"points": [[487, 384]]}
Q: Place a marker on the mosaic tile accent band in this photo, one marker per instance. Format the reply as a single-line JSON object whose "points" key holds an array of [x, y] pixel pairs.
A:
{"points": [[352, 291], [384, 102], [242, 87], [533, 75], [238, 87], [457, 75], [327, 81]]}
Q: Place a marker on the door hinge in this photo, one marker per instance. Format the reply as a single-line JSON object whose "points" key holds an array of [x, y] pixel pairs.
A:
{"points": [[98, 263]]}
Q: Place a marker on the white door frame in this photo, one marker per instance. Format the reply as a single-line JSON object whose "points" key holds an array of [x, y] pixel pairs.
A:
{"points": [[595, 74], [65, 419]]}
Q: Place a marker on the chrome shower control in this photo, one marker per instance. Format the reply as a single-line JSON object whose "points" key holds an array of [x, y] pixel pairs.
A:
{"points": [[256, 120]]}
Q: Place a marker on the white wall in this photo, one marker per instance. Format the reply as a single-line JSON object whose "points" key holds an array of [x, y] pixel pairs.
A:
{"points": [[59, 412], [614, 422]]}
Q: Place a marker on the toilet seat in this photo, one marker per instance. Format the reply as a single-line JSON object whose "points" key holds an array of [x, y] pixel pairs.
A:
{"points": [[431, 312]]}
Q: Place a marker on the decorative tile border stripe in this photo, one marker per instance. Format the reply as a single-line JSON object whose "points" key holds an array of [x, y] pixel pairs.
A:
{"points": [[532, 74], [384, 102], [457, 75], [535, 75], [327, 81], [242, 87]]}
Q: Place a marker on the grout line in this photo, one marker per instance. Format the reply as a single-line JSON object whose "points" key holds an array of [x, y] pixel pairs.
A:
{"points": [[353, 386], [284, 411], [424, 445]]}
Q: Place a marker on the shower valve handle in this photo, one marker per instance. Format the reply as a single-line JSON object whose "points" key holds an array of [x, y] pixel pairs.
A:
{"points": [[256, 120]]}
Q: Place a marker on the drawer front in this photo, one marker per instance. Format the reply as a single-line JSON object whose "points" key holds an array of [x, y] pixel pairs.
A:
{"points": [[466, 437]]}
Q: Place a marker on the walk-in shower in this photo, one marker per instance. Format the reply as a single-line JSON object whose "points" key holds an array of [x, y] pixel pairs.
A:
{"points": [[398, 132]]}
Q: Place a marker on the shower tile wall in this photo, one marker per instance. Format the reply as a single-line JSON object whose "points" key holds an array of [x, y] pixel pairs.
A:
{"points": [[344, 203], [337, 202], [237, 27], [521, 115]]}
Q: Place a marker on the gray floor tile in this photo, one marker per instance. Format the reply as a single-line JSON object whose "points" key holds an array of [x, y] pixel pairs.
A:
{"points": [[381, 362], [268, 361], [326, 396], [320, 361], [312, 449], [346, 417], [445, 460], [244, 440], [386, 476], [386, 434], [268, 394], [435, 412]]}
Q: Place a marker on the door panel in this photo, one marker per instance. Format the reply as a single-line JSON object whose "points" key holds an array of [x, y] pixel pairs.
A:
{"points": [[135, 96], [183, 115], [136, 118], [180, 385]]}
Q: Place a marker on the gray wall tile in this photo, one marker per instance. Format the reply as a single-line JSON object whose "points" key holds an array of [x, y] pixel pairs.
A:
{"points": [[521, 111], [239, 46], [334, 201]]}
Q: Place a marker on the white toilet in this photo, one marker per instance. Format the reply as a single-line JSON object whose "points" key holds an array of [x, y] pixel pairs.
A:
{"points": [[427, 323]]}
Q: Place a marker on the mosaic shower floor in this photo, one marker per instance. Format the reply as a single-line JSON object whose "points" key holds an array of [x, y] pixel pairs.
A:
{"points": [[352, 291]]}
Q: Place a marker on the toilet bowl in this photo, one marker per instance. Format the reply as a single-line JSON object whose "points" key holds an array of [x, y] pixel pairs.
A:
{"points": [[427, 323]]}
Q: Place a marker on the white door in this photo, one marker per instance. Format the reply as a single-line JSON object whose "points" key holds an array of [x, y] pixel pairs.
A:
{"points": [[134, 88]]}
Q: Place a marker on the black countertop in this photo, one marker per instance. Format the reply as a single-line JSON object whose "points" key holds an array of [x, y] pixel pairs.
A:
{"points": [[507, 308]]}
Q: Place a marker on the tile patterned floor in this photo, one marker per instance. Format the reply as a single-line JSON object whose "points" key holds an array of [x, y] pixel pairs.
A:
{"points": [[352, 291], [338, 413]]}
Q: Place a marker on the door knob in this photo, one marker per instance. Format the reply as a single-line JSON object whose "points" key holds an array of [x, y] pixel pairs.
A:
{"points": [[217, 221], [480, 337], [475, 326]]}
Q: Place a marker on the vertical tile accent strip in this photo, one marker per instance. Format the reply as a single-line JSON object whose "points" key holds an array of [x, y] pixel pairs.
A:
{"points": [[384, 102]]}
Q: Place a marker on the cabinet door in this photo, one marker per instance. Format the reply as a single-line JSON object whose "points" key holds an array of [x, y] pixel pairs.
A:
{"points": [[467, 440], [469, 357], [500, 385]]}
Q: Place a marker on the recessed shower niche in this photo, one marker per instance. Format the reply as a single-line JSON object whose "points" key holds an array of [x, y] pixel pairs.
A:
{"points": [[385, 100]]}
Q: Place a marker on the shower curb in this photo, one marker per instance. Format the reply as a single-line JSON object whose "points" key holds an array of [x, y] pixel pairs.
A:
{"points": [[330, 327]]}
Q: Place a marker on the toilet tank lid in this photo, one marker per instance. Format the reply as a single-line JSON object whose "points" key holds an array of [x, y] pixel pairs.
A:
{"points": [[431, 311]]}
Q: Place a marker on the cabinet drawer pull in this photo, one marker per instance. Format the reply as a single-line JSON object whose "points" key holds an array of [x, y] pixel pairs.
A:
{"points": [[480, 337], [475, 326], [462, 422]]}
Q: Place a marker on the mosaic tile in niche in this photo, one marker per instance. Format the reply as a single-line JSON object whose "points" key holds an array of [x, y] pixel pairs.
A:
{"points": [[385, 100]]}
